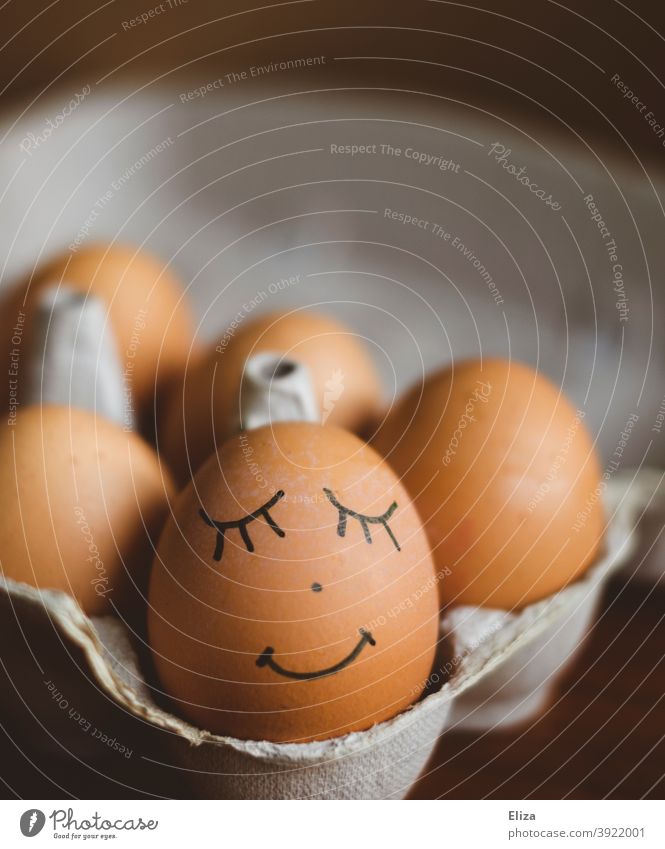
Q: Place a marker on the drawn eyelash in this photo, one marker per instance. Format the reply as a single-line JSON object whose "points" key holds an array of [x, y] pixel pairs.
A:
{"points": [[241, 524], [365, 521]]}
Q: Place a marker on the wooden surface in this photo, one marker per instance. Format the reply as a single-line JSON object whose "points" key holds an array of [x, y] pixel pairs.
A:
{"points": [[601, 736]]}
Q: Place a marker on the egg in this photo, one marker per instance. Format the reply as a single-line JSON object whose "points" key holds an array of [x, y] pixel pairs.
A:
{"points": [[148, 315], [203, 411], [293, 596], [505, 477], [83, 503]]}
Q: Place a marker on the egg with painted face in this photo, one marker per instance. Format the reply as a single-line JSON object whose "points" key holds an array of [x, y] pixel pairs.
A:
{"points": [[293, 596]]}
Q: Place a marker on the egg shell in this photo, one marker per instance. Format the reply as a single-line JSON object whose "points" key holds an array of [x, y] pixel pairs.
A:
{"points": [[203, 411], [505, 477], [150, 319], [302, 600], [83, 505]]}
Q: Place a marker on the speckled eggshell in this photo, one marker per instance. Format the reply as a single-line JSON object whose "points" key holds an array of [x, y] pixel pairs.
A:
{"points": [[150, 319], [241, 643], [505, 478], [83, 504], [203, 411]]}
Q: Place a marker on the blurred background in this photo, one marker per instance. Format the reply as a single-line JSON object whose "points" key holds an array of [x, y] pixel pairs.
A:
{"points": [[249, 145]]}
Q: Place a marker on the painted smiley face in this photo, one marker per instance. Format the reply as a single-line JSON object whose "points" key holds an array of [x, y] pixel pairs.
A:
{"points": [[279, 611], [266, 658]]}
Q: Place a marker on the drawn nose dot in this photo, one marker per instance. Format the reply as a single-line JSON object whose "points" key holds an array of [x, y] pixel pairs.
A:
{"points": [[316, 588]]}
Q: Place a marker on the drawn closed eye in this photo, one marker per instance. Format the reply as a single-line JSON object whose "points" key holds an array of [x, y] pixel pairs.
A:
{"points": [[241, 525], [365, 521]]}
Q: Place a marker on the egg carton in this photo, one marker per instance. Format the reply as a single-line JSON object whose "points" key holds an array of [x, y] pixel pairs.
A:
{"points": [[501, 669]]}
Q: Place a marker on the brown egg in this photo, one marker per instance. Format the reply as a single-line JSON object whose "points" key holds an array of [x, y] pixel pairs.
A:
{"points": [[344, 379], [505, 478], [293, 596], [151, 321], [82, 507]]}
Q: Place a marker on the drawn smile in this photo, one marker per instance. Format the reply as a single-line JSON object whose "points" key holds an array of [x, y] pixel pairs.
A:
{"points": [[266, 659]]}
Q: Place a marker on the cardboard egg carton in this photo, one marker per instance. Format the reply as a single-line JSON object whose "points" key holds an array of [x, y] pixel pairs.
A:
{"points": [[497, 668]]}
